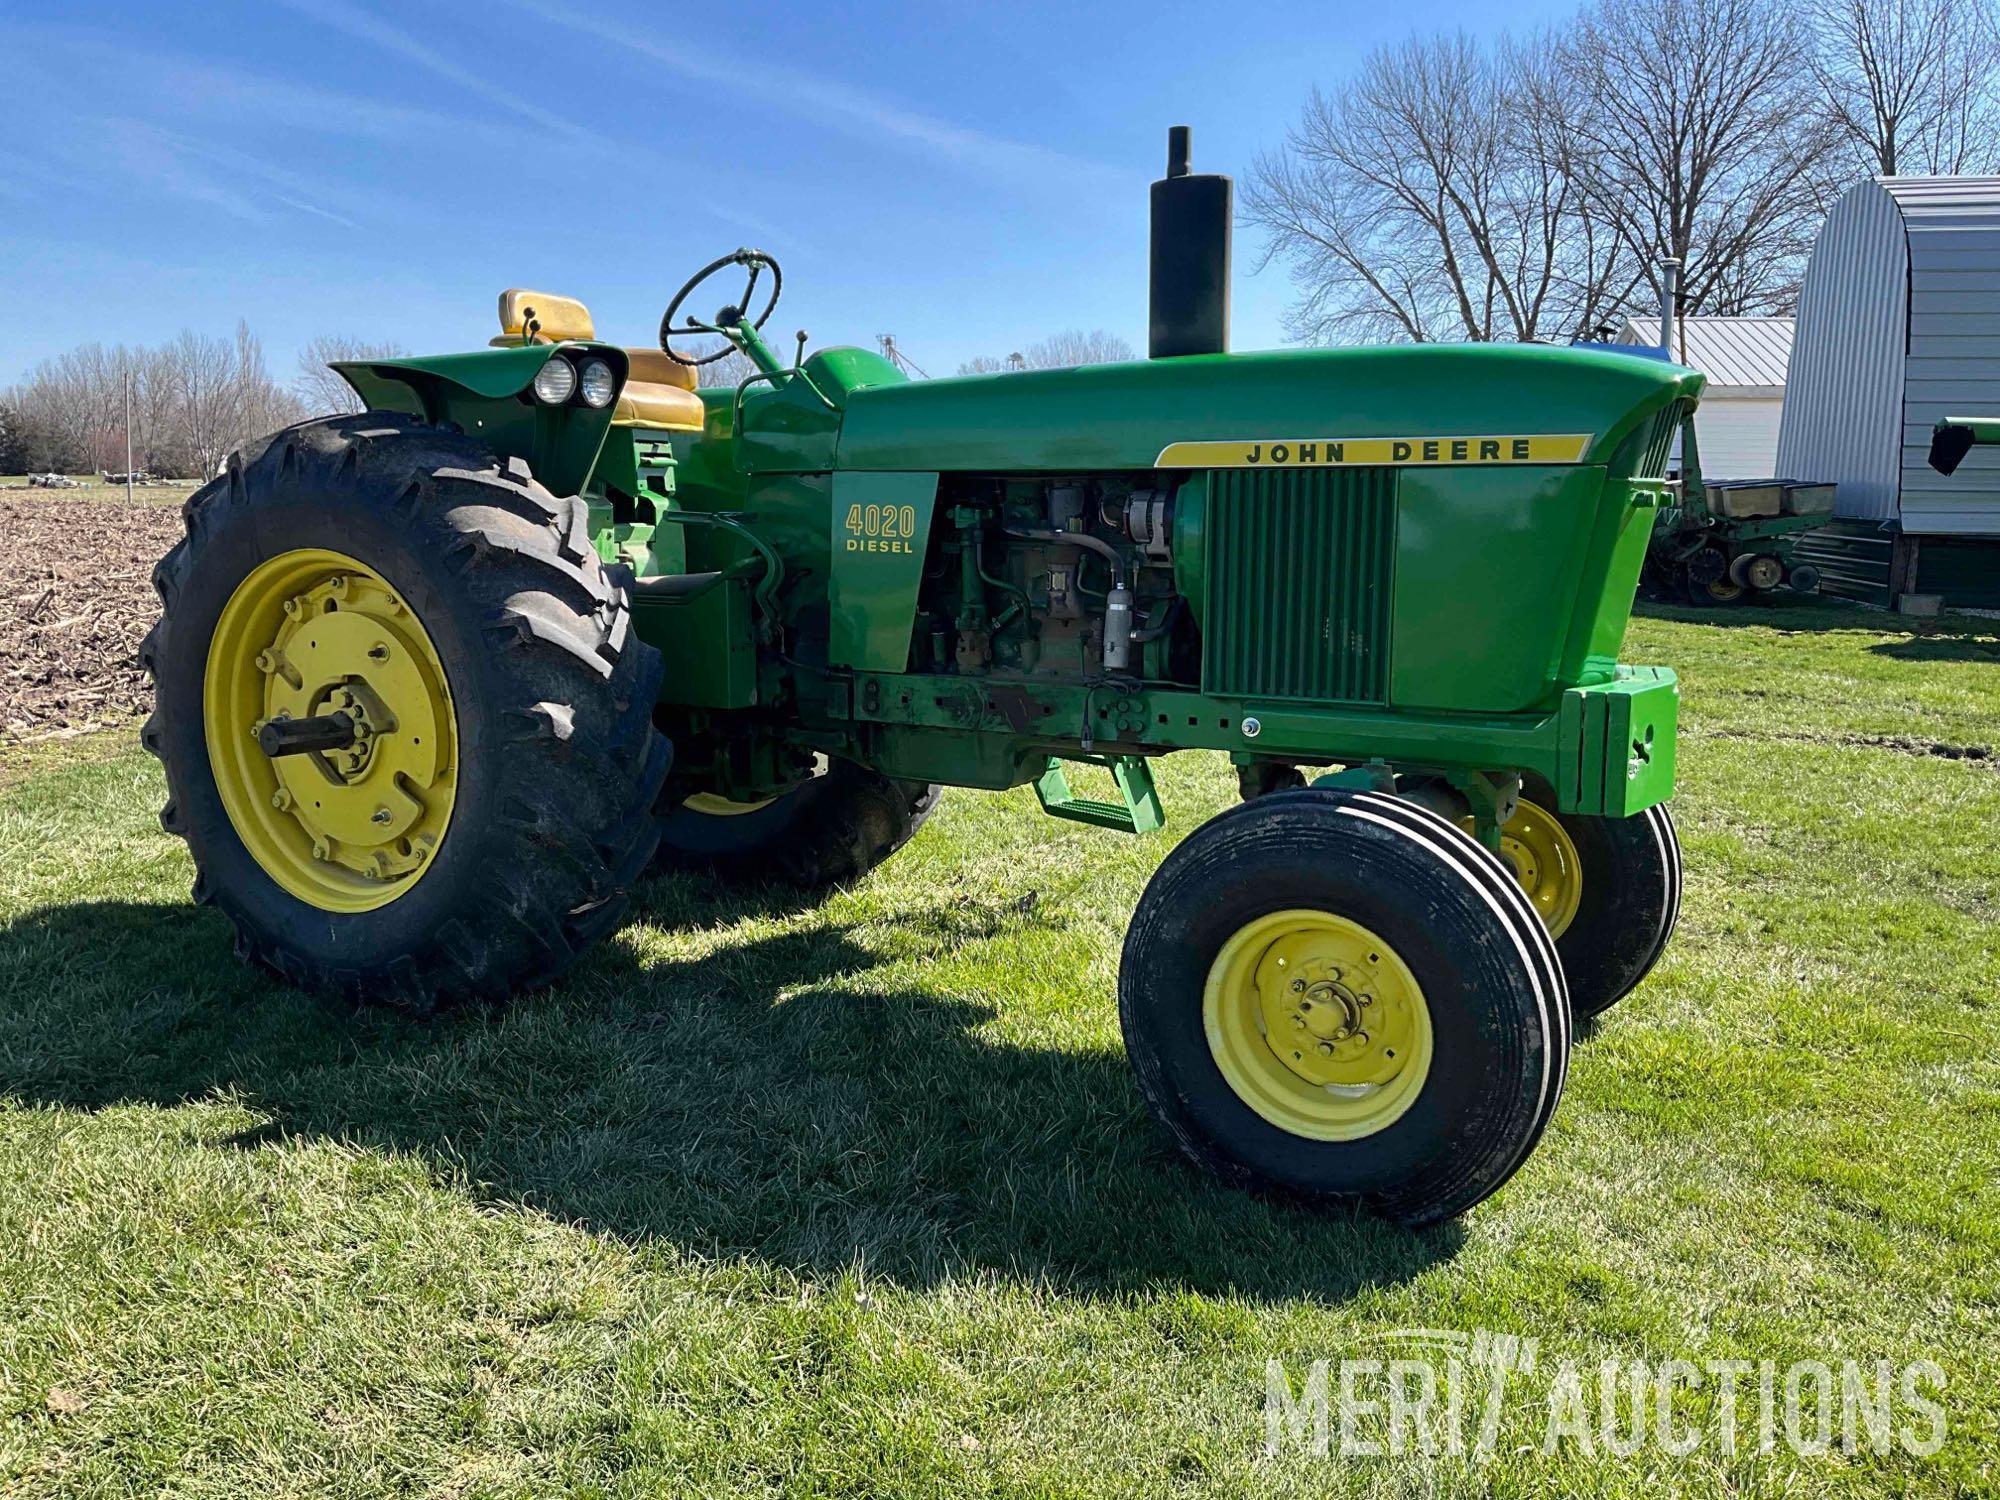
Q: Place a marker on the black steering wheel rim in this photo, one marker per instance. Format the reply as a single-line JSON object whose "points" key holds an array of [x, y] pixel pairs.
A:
{"points": [[731, 316]]}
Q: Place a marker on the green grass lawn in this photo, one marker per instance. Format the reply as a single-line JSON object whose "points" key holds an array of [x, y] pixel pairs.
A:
{"points": [[856, 1197]]}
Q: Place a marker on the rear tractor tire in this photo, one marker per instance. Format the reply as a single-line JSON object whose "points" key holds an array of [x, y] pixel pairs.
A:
{"points": [[1331, 995], [829, 830], [406, 726]]}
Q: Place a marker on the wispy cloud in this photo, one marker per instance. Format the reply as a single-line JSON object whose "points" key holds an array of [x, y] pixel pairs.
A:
{"points": [[367, 27], [857, 110], [252, 105], [155, 158]]}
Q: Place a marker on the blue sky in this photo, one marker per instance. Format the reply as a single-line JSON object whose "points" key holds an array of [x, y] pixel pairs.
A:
{"points": [[969, 177]]}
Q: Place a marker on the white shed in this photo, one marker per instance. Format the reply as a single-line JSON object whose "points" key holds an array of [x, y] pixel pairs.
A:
{"points": [[1745, 360], [1898, 325]]}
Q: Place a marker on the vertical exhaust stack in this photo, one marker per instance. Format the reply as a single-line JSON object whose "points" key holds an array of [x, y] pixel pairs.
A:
{"points": [[1670, 305], [1190, 270]]}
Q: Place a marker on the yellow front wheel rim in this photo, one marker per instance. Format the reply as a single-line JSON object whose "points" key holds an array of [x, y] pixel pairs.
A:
{"points": [[715, 805], [1317, 1024], [1545, 861], [312, 632]]}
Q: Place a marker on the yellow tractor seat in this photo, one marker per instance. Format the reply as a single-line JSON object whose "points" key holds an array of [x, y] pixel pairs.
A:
{"points": [[660, 389]]}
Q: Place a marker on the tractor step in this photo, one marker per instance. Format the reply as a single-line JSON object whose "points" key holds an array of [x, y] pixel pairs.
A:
{"points": [[1140, 811]]}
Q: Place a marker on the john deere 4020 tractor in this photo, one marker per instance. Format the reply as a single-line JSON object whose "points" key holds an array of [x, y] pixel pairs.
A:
{"points": [[438, 683]]}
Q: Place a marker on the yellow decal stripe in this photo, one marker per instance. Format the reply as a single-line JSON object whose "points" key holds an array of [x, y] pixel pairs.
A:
{"points": [[1320, 453]]}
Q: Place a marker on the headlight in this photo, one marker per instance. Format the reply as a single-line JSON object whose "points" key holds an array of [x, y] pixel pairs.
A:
{"points": [[556, 382], [599, 384]]}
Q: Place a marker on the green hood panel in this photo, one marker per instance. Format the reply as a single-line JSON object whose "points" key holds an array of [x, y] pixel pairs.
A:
{"points": [[1122, 416]]}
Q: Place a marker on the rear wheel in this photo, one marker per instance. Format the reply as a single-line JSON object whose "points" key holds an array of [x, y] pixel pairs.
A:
{"points": [[830, 829], [1333, 995], [406, 727]]}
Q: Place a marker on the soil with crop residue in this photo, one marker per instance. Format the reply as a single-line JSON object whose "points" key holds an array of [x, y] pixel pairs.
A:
{"points": [[76, 599]]}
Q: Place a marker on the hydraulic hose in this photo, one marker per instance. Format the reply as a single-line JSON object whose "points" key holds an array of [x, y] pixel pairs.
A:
{"points": [[1081, 539]]}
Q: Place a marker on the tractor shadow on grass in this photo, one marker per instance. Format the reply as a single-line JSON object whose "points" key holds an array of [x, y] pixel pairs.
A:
{"points": [[766, 1102]]}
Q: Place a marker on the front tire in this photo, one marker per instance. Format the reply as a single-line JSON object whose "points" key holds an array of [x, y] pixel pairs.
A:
{"points": [[831, 829], [1608, 889], [1434, 1046], [486, 829]]}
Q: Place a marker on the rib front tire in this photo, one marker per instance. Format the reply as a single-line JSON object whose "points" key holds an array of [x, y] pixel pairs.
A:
{"points": [[1330, 995]]}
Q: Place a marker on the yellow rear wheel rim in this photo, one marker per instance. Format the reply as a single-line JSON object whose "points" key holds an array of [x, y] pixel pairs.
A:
{"points": [[312, 632], [1545, 861], [1317, 1025]]}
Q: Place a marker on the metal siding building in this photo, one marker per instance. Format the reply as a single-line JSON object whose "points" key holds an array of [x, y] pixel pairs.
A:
{"points": [[1736, 425], [1898, 325]]}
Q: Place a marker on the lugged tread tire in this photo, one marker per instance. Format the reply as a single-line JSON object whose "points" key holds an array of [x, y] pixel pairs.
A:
{"points": [[559, 760], [832, 830], [1452, 912]]}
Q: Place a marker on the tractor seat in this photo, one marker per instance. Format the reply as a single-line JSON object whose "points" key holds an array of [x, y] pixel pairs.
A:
{"points": [[660, 389]]}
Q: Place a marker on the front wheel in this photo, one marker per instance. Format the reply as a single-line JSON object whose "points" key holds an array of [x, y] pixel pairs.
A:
{"points": [[1331, 995], [830, 829], [1608, 889]]}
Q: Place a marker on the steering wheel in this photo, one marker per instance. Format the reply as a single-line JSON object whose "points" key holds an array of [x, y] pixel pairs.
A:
{"points": [[732, 315]]}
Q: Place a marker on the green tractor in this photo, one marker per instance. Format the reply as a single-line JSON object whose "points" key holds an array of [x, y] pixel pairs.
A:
{"points": [[439, 683]]}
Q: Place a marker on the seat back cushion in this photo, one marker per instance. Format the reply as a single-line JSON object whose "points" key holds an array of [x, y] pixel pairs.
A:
{"points": [[555, 319], [657, 367]]}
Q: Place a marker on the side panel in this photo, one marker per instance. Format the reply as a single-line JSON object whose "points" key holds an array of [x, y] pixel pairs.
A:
{"points": [[1488, 565], [880, 527]]}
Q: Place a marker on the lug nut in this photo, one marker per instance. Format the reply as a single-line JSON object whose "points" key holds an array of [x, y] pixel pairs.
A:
{"points": [[1326, 1049], [380, 815], [1298, 1021], [322, 849], [378, 652], [281, 799], [1298, 984]]}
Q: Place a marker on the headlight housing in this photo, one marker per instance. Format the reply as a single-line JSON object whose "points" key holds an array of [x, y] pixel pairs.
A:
{"points": [[599, 385], [555, 382]]}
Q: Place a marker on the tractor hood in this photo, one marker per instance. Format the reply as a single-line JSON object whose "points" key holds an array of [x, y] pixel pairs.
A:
{"points": [[1152, 413]]}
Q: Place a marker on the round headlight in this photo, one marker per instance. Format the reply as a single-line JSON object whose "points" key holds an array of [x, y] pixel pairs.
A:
{"points": [[556, 382], [599, 384]]}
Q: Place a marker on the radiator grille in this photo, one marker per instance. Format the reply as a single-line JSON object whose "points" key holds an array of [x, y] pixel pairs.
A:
{"points": [[1298, 584], [1660, 444]]}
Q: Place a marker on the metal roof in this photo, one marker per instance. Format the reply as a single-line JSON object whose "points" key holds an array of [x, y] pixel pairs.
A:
{"points": [[1742, 352]]}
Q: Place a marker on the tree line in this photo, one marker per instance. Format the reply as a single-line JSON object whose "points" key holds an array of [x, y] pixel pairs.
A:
{"points": [[1528, 188], [194, 399]]}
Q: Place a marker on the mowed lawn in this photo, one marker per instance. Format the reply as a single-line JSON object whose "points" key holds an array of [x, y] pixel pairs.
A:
{"points": [[856, 1196]]}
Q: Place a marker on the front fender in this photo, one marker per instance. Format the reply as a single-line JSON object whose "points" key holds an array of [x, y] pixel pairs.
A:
{"points": [[487, 394]]}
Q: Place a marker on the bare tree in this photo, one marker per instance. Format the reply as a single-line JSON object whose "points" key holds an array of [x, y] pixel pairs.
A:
{"points": [[988, 364], [1433, 196], [192, 401], [319, 388], [1700, 138], [1059, 351], [1910, 85], [723, 374]]}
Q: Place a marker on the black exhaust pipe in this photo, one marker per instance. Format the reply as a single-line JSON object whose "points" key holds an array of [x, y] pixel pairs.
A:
{"points": [[1191, 228]]}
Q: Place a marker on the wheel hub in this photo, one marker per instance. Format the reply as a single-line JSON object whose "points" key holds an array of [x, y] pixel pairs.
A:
{"points": [[307, 636], [1545, 861], [1317, 1025]]}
